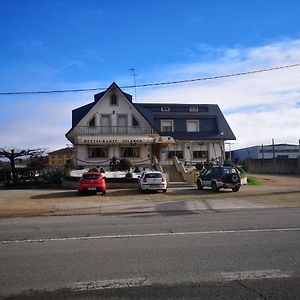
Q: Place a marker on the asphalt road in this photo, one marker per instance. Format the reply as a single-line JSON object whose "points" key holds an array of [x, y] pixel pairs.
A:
{"points": [[251, 254]]}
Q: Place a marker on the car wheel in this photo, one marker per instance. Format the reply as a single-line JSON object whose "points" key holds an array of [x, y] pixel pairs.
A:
{"points": [[234, 178], [103, 192], [236, 189], [199, 185], [165, 190], [79, 193], [214, 187]]}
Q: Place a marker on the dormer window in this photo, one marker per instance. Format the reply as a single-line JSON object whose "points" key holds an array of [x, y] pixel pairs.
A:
{"points": [[193, 108], [165, 108], [113, 100]]}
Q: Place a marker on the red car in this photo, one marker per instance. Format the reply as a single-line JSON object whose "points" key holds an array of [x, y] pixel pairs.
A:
{"points": [[91, 182]]}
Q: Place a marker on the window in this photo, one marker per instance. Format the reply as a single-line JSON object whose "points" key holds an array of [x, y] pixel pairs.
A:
{"points": [[167, 125], [135, 122], [200, 154], [179, 154], [130, 151], [122, 125], [105, 123], [165, 108], [113, 100], [92, 122], [192, 125], [97, 152], [193, 108]]}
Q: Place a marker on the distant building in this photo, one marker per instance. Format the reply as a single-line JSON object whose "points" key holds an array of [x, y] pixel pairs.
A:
{"points": [[267, 152], [112, 126], [58, 158]]}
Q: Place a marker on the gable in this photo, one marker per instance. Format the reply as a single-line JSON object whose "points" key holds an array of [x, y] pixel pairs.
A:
{"points": [[113, 103]]}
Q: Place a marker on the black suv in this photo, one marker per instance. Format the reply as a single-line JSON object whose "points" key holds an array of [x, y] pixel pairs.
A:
{"points": [[219, 177]]}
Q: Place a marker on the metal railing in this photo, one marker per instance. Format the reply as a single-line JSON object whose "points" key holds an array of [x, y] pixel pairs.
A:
{"points": [[103, 130]]}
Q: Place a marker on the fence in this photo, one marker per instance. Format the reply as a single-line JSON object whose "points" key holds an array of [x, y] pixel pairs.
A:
{"points": [[274, 166]]}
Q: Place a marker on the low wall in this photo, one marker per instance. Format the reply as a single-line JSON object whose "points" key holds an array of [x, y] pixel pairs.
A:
{"points": [[110, 184], [276, 166]]}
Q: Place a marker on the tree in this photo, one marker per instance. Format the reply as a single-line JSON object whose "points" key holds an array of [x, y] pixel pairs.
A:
{"points": [[12, 154]]}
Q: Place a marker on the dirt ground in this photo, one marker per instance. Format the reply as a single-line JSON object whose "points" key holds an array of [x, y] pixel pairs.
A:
{"points": [[274, 190]]}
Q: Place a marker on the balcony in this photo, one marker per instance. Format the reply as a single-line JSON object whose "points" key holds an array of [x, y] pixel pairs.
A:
{"points": [[109, 130]]}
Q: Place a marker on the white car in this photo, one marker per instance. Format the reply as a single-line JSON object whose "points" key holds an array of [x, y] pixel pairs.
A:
{"points": [[152, 180]]}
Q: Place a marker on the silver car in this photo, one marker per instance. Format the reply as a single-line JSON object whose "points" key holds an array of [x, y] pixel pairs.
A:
{"points": [[152, 180]]}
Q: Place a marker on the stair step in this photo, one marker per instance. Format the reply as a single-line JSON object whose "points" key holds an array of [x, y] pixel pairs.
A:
{"points": [[173, 174]]}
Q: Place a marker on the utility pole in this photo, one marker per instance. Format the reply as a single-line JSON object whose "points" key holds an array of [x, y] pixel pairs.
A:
{"points": [[134, 81], [273, 148]]}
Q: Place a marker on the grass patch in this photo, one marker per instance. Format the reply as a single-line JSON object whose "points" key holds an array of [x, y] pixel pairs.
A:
{"points": [[253, 181]]}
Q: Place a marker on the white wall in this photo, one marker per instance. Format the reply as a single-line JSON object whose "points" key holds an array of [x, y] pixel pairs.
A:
{"points": [[124, 107]]}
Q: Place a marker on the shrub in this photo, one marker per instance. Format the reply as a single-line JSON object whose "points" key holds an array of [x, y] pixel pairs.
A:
{"points": [[199, 166], [125, 164], [128, 175], [52, 175], [137, 169]]}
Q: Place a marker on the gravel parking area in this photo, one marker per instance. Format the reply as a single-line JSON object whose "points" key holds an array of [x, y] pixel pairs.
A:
{"points": [[283, 191]]}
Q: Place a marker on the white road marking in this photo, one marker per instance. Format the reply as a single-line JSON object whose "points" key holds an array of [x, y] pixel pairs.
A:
{"points": [[109, 284], [250, 275], [145, 235]]}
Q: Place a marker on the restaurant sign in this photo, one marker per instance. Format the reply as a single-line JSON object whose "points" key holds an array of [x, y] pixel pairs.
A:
{"points": [[123, 140]]}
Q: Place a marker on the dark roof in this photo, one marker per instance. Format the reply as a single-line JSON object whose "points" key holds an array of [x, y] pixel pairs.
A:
{"points": [[67, 150], [152, 113], [80, 112]]}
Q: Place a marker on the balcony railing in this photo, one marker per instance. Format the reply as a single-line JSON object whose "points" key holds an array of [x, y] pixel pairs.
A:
{"points": [[107, 130]]}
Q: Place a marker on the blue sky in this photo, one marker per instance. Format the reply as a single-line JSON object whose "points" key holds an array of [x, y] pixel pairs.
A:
{"points": [[50, 45]]}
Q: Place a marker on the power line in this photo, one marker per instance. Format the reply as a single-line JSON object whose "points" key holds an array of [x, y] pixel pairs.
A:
{"points": [[152, 84]]}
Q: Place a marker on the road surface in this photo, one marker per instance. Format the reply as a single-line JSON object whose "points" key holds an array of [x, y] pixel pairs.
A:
{"points": [[250, 254]]}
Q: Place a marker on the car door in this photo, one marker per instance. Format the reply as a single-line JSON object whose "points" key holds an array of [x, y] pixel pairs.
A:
{"points": [[206, 178]]}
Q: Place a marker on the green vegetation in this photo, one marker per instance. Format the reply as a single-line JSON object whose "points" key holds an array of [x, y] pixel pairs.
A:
{"points": [[128, 175], [253, 181], [125, 164]]}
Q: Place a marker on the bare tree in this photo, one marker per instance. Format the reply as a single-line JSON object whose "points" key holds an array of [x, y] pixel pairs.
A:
{"points": [[12, 154]]}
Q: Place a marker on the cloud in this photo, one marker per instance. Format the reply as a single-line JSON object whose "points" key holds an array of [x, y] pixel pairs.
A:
{"points": [[39, 123], [259, 106]]}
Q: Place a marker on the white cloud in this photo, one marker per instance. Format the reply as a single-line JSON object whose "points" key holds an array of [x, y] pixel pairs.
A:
{"points": [[39, 123], [259, 106]]}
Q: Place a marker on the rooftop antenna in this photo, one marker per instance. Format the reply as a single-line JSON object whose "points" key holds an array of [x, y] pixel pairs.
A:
{"points": [[134, 81]]}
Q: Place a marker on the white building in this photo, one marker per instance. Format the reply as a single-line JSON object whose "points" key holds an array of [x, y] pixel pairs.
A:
{"points": [[112, 126], [267, 152]]}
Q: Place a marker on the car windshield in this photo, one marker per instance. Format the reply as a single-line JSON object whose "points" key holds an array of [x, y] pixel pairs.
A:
{"points": [[153, 175], [90, 176]]}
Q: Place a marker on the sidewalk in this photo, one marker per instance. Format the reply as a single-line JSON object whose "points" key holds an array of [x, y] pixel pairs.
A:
{"points": [[276, 191]]}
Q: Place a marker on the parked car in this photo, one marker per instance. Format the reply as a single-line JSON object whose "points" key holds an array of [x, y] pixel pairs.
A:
{"points": [[220, 177], [92, 182], [152, 180]]}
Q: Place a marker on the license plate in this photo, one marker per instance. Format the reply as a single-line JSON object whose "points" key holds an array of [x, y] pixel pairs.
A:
{"points": [[92, 189]]}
